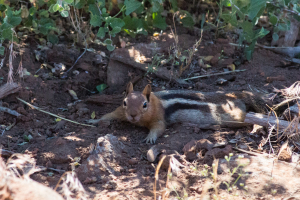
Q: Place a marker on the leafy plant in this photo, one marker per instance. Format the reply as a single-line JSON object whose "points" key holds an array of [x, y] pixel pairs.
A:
{"points": [[244, 15], [134, 17]]}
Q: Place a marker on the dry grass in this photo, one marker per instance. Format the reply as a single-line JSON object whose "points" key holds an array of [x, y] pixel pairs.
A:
{"points": [[21, 166]]}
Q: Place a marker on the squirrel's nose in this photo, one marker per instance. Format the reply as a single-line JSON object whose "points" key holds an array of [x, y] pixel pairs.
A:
{"points": [[133, 115]]}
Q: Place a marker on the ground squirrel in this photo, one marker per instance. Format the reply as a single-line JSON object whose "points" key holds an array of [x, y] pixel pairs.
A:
{"points": [[156, 110]]}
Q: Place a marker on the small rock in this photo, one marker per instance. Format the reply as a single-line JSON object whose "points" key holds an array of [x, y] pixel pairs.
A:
{"points": [[86, 67], [285, 153], [102, 75], [228, 51], [221, 81], [242, 82], [98, 59], [38, 123], [190, 146], [82, 111], [166, 162], [60, 141], [21, 110], [200, 86], [89, 180], [49, 164], [60, 125], [215, 59], [133, 161], [243, 146], [196, 189], [204, 144], [153, 152], [225, 62], [217, 153], [191, 156]]}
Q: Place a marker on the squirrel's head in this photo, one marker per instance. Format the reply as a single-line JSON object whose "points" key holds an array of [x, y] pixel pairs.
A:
{"points": [[135, 103]]}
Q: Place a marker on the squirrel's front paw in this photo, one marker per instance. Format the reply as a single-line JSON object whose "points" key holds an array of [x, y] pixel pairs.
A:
{"points": [[151, 138]]}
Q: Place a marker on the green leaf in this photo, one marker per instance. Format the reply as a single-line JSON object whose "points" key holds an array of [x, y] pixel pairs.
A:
{"points": [[7, 34], [56, 7], [287, 2], [255, 8], [275, 36], [64, 13], [110, 47], [101, 32], [115, 30], [273, 19], [262, 32], [187, 21], [68, 1], [96, 20], [108, 41], [32, 11], [247, 26], [283, 27], [52, 38], [174, 4], [2, 49], [156, 6], [116, 22], [131, 5], [80, 4], [101, 87], [159, 21], [15, 21], [94, 9], [51, 10], [44, 13], [93, 115]]}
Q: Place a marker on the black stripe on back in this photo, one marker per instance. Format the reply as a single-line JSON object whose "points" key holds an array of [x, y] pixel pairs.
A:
{"points": [[184, 106], [183, 96]]}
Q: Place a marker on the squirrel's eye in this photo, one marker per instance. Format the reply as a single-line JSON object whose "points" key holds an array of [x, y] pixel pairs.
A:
{"points": [[145, 105], [124, 103]]}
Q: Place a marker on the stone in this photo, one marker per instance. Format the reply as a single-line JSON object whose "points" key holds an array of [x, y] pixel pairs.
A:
{"points": [[217, 153], [103, 159], [117, 74]]}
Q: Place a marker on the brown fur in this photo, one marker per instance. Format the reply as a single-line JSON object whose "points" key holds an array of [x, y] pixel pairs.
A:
{"points": [[147, 110]]}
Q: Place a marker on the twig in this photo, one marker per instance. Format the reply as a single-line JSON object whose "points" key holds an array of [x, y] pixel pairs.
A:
{"points": [[37, 108], [251, 153], [191, 53], [291, 11], [9, 111], [56, 170], [65, 75], [156, 175], [216, 74]]}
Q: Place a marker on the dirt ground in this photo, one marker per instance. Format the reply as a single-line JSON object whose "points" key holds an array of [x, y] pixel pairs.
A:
{"points": [[54, 144]]}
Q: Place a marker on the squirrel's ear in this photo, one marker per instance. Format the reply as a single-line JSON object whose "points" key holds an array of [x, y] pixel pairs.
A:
{"points": [[129, 88], [147, 92]]}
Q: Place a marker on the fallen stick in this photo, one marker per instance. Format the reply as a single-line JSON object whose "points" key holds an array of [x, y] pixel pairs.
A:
{"points": [[37, 108], [265, 120], [9, 111], [216, 74], [8, 89]]}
